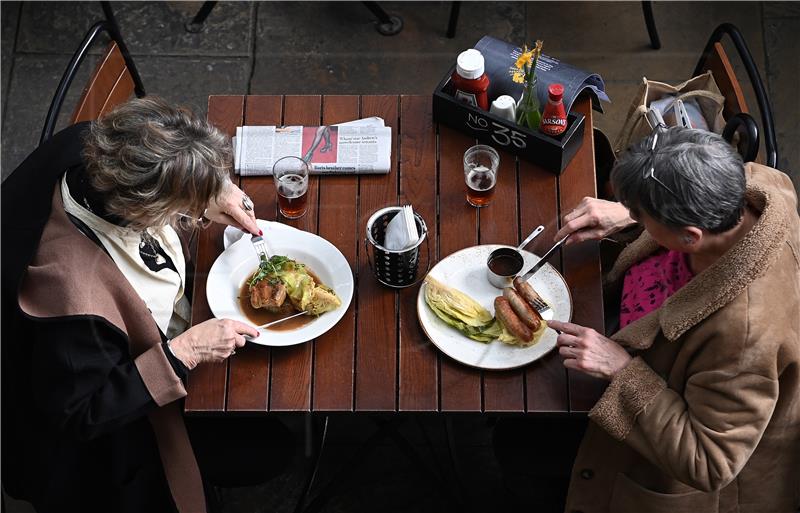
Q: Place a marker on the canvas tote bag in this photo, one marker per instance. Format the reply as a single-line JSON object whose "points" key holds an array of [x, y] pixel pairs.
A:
{"points": [[701, 88]]}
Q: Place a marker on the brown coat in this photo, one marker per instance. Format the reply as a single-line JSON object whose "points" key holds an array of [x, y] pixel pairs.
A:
{"points": [[71, 276], [706, 418]]}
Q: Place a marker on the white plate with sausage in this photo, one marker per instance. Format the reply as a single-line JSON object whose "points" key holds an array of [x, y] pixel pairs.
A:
{"points": [[465, 270]]}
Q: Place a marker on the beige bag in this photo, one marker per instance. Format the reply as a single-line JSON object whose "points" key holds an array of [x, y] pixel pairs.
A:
{"points": [[701, 88]]}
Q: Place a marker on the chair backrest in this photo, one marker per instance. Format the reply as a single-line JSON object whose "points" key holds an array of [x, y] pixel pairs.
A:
{"points": [[715, 59], [110, 84], [114, 79]]}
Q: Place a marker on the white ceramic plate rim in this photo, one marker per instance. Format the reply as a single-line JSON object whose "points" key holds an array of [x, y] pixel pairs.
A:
{"points": [[453, 343], [233, 265]]}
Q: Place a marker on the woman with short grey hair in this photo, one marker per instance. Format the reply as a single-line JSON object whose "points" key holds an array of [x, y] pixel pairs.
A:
{"points": [[97, 318], [701, 412], [154, 164]]}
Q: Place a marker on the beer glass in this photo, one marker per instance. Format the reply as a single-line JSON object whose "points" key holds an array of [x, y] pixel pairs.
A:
{"points": [[291, 182], [480, 174]]}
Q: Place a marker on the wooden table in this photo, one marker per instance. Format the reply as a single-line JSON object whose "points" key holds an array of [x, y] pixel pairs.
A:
{"points": [[377, 358]]}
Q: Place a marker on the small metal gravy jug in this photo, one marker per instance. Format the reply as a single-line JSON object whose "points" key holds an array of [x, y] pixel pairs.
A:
{"points": [[504, 264]]}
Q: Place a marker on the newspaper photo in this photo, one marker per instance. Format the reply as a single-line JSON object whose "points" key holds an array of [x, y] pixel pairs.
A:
{"points": [[500, 56], [360, 146]]}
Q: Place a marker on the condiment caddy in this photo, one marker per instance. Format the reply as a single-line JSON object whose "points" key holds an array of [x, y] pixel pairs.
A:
{"points": [[551, 153]]}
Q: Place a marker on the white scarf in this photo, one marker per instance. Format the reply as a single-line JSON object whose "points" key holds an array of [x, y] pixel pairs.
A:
{"points": [[162, 291]]}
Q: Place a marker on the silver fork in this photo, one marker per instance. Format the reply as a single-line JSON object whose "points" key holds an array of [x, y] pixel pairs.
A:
{"points": [[260, 245], [540, 305]]}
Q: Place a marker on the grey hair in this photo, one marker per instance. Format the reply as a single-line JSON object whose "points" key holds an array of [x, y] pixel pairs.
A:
{"points": [[155, 163], [703, 170]]}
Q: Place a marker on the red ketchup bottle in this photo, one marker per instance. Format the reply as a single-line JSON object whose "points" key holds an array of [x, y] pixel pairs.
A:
{"points": [[470, 83], [554, 117]]}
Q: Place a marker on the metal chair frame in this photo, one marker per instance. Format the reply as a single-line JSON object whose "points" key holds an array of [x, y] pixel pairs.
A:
{"points": [[108, 26], [767, 121]]}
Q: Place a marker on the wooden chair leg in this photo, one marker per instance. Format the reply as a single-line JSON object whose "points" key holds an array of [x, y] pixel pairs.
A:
{"points": [[647, 9]]}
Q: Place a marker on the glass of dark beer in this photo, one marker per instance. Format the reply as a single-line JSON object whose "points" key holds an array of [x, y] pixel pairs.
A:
{"points": [[480, 174], [291, 182]]}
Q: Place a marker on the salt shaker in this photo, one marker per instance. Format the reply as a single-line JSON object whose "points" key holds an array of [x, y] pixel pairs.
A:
{"points": [[504, 107]]}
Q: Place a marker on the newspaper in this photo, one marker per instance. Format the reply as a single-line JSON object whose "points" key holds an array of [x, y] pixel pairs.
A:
{"points": [[360, 146], [500, 56]]}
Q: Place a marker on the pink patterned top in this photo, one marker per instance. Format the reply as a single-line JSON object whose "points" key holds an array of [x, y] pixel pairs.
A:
{"points": [[650, 282]]}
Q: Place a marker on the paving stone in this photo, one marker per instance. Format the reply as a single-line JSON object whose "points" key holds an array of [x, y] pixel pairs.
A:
{"points": [[619, 26], [153, 28], [670, 67], [781, 9], [9, 13], [55, 27], [189, 81], [782, 71], [614, 115], [348, 28], [158, 28], [30, 92], [369, 73]]}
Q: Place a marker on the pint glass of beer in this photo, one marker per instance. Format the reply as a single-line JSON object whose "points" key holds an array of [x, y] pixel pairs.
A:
{"points": [[480, 174], [291, 182]]}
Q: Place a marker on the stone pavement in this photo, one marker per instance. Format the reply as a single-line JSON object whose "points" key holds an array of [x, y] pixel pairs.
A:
{"points": [[333, 48]]}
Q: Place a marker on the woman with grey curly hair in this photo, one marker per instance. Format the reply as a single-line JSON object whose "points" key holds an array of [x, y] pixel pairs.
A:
{"points": [[701, 412], [97, 338]]}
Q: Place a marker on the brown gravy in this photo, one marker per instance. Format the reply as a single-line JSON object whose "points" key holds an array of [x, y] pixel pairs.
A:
{"points": [[504, 265], [259, 316]]}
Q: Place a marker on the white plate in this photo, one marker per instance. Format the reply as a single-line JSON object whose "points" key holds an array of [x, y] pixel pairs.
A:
{"points": [[465, 270], [239, 260]]}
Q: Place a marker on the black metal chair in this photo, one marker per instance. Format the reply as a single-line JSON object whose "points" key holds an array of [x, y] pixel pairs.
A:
{"points": [[114, 80], [735, 111]]}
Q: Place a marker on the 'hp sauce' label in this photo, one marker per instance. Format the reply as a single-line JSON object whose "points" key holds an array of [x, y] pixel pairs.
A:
{"points": [[467, 98]]}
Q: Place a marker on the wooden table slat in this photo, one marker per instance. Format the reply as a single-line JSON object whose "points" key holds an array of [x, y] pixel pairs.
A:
{"points": [[581, 262], [461, 387], [418, 388], [546, 378], [334, 352], [208, 380], [249, 370], [376, 346], [499, 224], [290, 389]]}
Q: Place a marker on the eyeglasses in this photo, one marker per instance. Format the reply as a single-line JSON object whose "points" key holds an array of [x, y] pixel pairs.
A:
{"points": [[650, 173], [202, 222]]}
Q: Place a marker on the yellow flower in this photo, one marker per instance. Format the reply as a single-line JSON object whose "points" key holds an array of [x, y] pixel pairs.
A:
{"points": [[518, 77], [524, 58]]}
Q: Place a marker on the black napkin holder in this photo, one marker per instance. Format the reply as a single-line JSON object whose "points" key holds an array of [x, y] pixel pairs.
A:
{"points": [[551, 153]]}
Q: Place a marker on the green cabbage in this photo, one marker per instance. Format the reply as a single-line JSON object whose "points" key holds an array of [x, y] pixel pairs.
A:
{"points": [[460, 311]]}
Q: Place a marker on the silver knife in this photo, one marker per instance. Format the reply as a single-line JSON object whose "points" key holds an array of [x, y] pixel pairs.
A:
{"points": [[538, 265], [267, 325]]}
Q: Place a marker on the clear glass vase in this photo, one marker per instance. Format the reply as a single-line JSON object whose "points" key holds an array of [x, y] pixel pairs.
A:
{"points": [[528, 112]]}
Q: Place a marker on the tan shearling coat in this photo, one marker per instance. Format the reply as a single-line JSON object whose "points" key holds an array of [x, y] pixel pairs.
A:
{"points": [[706, 418]]}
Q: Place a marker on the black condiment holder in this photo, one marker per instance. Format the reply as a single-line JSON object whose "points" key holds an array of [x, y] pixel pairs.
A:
{"points": [[551, 153]]}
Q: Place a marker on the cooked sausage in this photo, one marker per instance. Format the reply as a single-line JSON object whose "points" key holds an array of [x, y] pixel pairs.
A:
{"points": [[526, 313], [528, 293], [506, 315]]}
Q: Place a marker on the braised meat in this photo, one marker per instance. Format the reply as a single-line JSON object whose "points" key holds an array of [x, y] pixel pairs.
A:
{"points": [[266, 295]]}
